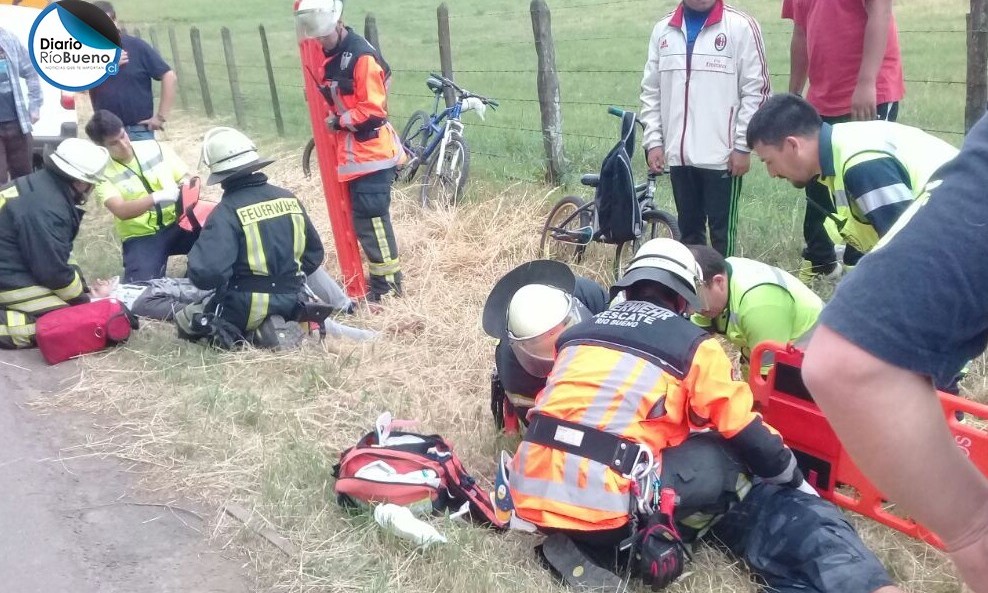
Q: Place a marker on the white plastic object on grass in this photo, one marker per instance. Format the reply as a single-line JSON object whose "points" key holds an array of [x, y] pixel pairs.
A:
{"points": [[400, 521]]}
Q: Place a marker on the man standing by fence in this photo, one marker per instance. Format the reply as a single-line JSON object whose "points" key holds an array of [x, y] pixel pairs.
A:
{"points": [[849, 52], [368, 149], [16, 115], [705, 77], [128, 94]]}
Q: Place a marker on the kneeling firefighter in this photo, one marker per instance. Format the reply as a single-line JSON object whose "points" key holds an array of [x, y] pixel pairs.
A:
{"points": [[525, 349], [40, 215], [631, 384], [255, 250]]}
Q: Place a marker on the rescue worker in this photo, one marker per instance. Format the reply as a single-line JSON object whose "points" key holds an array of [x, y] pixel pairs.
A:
{"points": [[140, 190], [40, 215], [368, 149], [519, 375], [637, 380], [749, 302], [256, 248], [873, 169]]}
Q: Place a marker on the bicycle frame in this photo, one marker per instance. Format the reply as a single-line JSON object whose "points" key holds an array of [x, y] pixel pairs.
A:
{"points": [[440, 133]]}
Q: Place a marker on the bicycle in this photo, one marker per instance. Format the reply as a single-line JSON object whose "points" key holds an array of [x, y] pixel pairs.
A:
{"points": [[573, 224], [437, 140]]}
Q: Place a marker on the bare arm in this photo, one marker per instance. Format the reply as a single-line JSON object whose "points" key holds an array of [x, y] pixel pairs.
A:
{"points": [[128, 209], [798, 60], [891, 423], [864, 101], [169, 87]]}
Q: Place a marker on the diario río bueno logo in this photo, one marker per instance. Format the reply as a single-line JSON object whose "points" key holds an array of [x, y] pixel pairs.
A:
{"points": [[74, 45]]}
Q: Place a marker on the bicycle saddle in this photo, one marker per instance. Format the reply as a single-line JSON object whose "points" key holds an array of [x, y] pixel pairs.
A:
{"points": [[434, 85], [590, 179]]}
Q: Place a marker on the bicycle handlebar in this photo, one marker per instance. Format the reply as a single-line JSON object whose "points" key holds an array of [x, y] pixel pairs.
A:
{"points": [[465, 94]]}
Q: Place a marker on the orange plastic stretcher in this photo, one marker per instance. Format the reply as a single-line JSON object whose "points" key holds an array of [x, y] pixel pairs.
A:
{"points": [[785, 403]]}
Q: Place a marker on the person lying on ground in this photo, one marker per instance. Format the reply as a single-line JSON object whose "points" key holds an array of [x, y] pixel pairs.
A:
{"points": [[40, 215]]}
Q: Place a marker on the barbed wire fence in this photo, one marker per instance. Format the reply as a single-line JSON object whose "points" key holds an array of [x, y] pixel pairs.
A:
{"points": [[234, 77]]}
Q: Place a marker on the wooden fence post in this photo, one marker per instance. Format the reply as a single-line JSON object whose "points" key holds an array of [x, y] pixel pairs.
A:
{"points": [[231, 70], [445, 51], [154, 39], [207, 101], [549, 102], [275, 104], [977, 63], [177, 65], [370, 31]]}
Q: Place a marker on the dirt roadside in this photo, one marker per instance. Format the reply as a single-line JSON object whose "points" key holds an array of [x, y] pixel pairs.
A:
{"points": [[72, 522]]}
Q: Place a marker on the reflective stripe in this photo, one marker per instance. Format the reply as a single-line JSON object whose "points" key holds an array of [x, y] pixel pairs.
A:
{"points": [[38, 305], [298, 225], [22, 294], [786, 475], [348, 152], [609, 388], [367, 167], [72, 290], [334, 91], [20, 332], [258, 309], [840, 198], [884, 196], [256, 259], [346, 120], [386, 268], [593, 496], [627, 412]]}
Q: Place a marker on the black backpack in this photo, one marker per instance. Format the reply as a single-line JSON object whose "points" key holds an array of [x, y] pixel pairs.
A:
{"points": [[618, 216]]}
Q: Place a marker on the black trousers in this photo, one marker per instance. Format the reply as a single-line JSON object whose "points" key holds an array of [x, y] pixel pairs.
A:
{"points": [[706, 197], [819, 248], [145, 258], [370, 196]]}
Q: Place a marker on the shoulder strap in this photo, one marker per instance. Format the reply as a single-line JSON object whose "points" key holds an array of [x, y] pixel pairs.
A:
{"points": [[628, 132]]}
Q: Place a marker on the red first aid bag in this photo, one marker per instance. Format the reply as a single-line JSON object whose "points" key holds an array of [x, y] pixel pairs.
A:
{"points": [[192, 213], [81, 329]]}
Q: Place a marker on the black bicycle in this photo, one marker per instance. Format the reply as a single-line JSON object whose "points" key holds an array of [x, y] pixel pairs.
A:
{"points": [[573, 223]]}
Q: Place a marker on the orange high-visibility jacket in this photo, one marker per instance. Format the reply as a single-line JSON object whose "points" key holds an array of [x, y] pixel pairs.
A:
{"points": [[647, 375], [358, 96]]}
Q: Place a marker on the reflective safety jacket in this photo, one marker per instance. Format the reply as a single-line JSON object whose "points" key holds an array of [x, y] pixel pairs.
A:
{"points": [[358, 96], [153, 167], [856, 159], [739, 319], [38, 223], [255, 249], [635, 376]]}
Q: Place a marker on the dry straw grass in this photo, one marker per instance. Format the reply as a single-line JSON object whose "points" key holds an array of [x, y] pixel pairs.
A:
{"points": [[263, 430]]}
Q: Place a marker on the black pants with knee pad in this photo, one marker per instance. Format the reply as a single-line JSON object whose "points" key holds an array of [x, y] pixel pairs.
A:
{"points": [[370, 196]]}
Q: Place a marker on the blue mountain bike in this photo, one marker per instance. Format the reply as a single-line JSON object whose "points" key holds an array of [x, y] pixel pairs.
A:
{"points": [[436, 142]]}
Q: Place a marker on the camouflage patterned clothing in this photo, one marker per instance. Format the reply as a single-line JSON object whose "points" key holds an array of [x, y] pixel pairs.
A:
{"points": [[798, 543]]}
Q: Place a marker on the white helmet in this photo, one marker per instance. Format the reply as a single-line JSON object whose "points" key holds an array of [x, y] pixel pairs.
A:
{"points": [[317, 18], [227, 151], [80, 159], [537, 315], [667, 262]]}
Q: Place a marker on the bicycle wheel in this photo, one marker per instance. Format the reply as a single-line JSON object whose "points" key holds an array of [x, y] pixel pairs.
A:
{"points": [[414, 138], [657, 224], [445, 182], [310, 148], [567, 230]]}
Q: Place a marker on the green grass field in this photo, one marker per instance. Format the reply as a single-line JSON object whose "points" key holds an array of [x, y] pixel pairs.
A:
{"points": [[263, 429]]}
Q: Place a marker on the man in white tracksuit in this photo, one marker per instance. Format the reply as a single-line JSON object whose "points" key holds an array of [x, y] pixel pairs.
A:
{"points": [[705, 77]]}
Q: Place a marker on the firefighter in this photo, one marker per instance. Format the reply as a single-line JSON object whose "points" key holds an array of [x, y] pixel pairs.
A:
{"points": [[873, 169], [256, 248], [636, 380], [520, 375], [750, 302], [141, 189], [40, 215], [368, 149]]}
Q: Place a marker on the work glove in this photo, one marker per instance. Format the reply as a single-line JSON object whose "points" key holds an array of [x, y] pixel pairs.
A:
{"points": [[166, 196], [661, 554], [804, 486]]}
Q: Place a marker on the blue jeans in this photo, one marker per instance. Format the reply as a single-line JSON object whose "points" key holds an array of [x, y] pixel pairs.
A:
{"points": [[145, 258], [139, 132]]}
